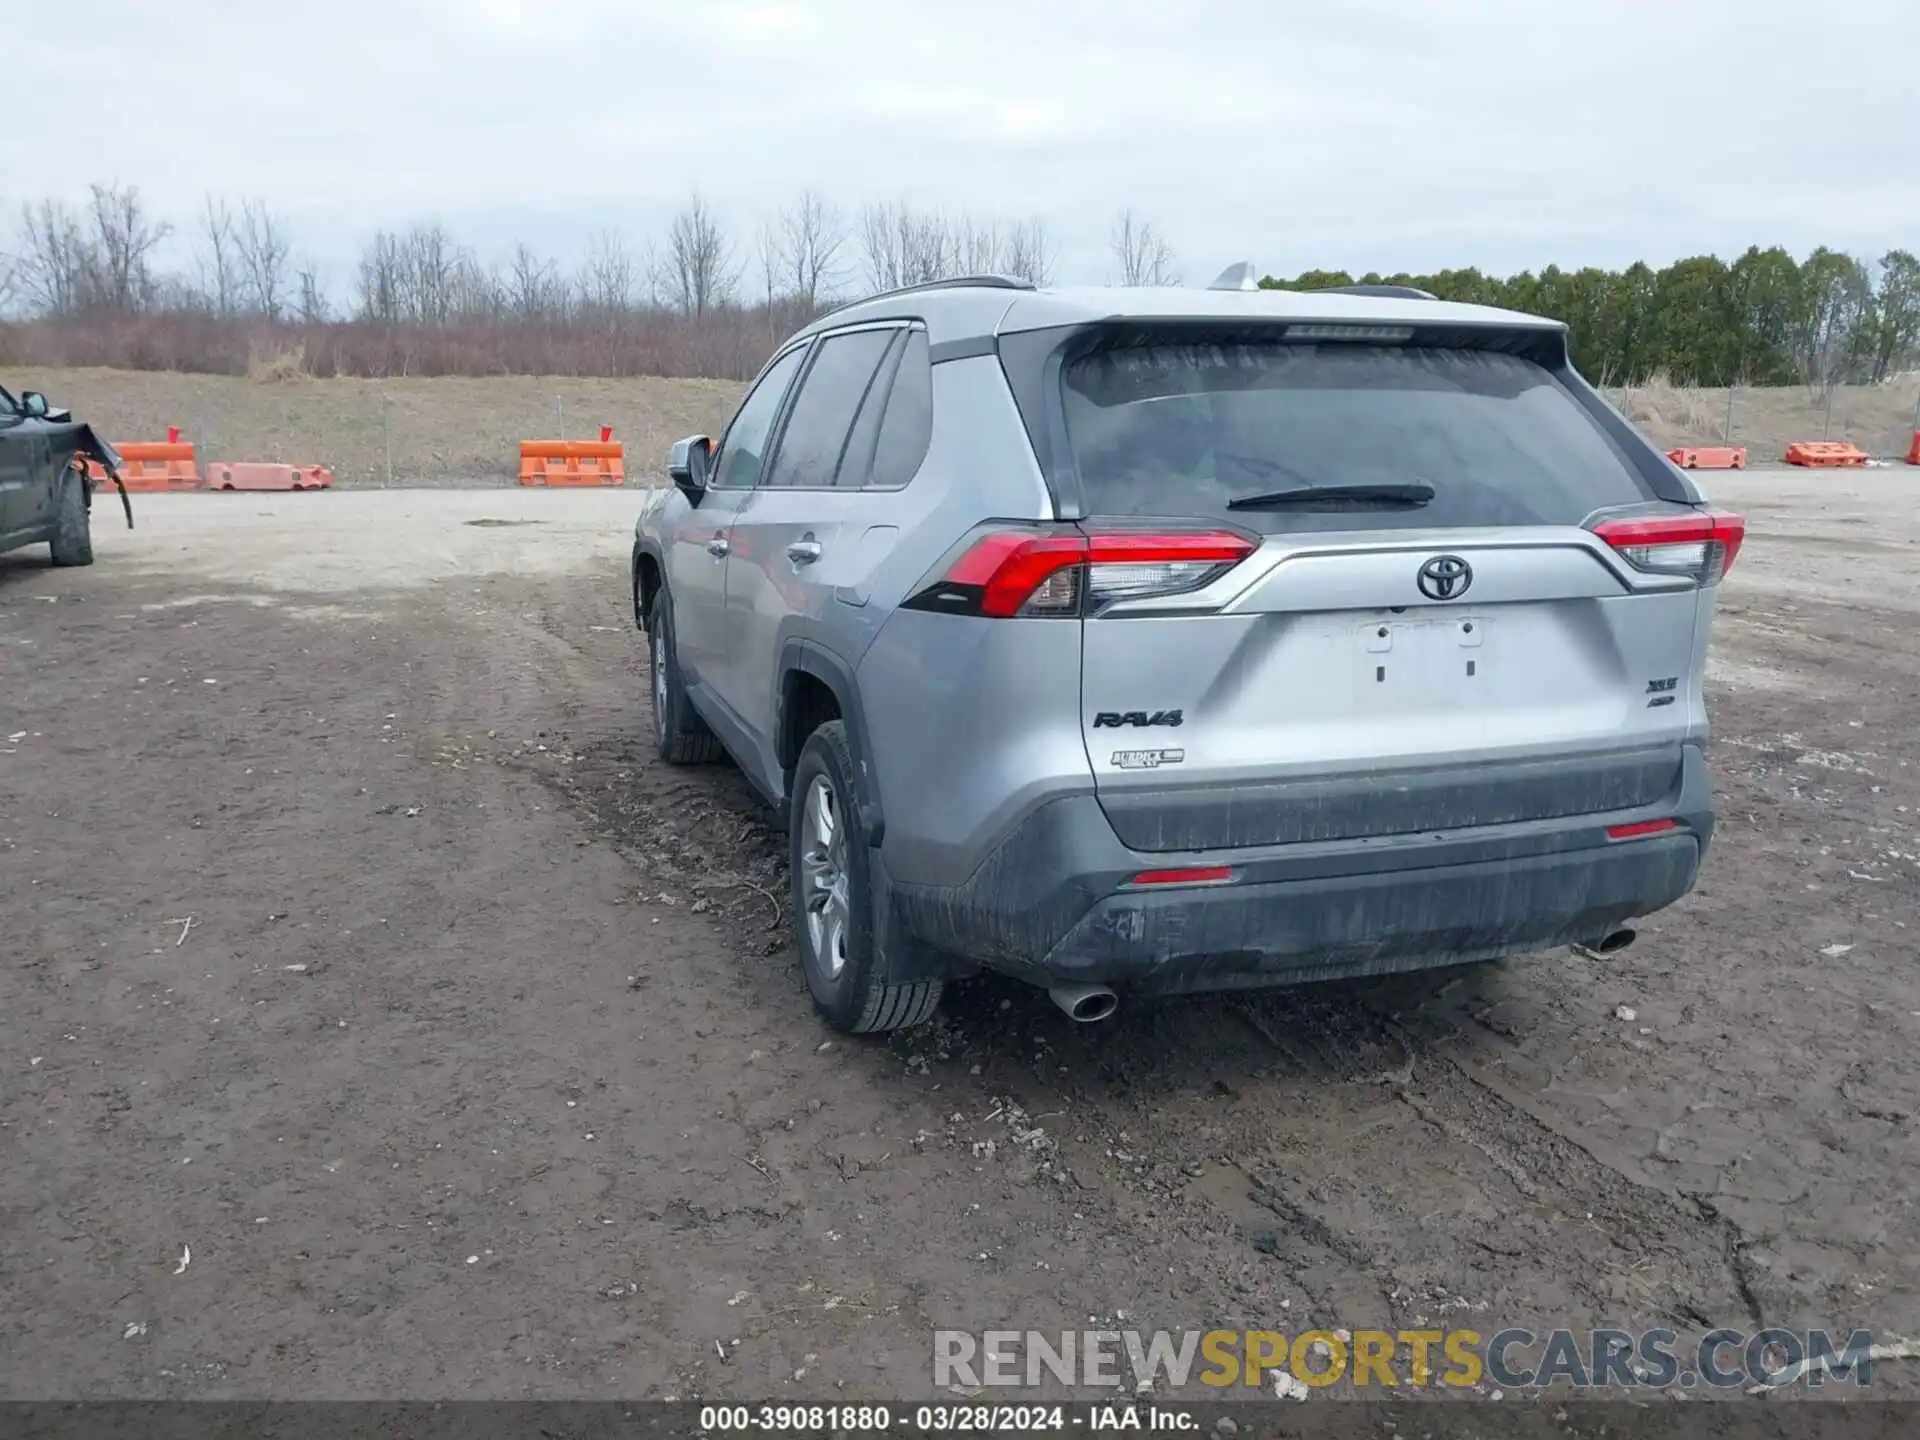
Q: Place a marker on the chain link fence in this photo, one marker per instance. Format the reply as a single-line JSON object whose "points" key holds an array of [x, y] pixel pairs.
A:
{"points": [[1881, 419]]}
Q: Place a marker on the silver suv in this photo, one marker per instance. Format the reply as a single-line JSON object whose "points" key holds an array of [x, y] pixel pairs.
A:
{"points": [[1153, 641]]}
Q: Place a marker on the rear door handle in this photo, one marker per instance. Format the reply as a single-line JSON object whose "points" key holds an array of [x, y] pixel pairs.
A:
{"points": [[718, 547], [804, 552]]}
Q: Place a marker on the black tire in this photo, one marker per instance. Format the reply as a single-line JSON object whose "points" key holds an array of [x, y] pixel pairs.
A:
{"points": [[846, 991], [72, 526], [679, 733]]}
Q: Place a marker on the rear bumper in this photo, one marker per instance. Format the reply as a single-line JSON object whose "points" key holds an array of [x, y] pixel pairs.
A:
{"points": [[1053, 903], [1228, 937]]}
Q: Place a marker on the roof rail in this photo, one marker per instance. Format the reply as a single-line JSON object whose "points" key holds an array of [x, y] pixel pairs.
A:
{"points": [[957, 282], [1380, 292], [951, 282]]}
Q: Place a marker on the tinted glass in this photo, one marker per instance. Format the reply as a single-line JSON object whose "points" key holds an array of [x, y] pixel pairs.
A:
{"points": [[857, 459], [744, 449], [1180, 430], [823, 411], [907, 429]]}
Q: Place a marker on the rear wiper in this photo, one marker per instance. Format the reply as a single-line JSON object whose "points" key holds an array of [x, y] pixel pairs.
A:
{"points": [[1338, 497]]}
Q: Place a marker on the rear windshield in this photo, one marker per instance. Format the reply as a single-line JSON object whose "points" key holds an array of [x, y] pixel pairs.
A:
{"points": [[1181, 430]]}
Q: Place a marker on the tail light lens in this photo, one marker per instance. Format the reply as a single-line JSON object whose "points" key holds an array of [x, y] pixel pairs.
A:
{"points": [[1640, 829], [1028, 573], [1701, 546], [1197, 875]]}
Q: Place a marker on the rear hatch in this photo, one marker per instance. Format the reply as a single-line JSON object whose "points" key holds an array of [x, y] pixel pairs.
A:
{"points": [[1345, 586]]}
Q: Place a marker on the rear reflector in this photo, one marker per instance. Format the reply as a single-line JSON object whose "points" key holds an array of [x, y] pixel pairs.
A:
{"points": [[1037, 573], [1700, 545], [1640, 828], [1199, 875]]}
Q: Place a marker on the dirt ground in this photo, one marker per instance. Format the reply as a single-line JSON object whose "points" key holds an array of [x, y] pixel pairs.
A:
{"points": [[455, 431], [379, 1019]]}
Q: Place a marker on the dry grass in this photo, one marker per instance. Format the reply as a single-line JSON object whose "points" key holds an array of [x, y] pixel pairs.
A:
{"points": [[269, 364], [452, 430], [465, 430], [1877, 418]]}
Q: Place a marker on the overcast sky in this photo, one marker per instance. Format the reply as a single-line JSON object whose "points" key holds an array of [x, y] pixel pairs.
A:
{"points": [[1360, 134]]}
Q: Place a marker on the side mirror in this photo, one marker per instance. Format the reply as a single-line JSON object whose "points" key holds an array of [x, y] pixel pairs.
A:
{"points": [[689, 464], [34, 403]]}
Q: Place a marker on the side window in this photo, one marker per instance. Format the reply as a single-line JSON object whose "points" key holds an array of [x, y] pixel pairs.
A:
{"points": [[823, 411], [743, 451], [857, 458], [906, 430]]}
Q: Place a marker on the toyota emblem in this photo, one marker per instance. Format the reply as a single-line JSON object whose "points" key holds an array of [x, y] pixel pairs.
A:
{"points": [[1445, 577]]}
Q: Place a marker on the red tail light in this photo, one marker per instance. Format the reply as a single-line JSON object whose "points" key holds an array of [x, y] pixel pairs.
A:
{"points": [[1032, 573], [1700, 545], [1197, 875], [1641, 828]]}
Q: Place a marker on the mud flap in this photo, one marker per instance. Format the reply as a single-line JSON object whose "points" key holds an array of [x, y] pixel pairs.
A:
{"points": [[899, 958]]}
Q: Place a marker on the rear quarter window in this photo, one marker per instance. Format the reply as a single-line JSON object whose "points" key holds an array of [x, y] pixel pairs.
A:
{"points": [[1181, 430], [906, 428]]}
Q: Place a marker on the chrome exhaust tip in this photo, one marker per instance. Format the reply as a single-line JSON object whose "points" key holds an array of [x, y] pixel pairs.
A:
{"points": [[1612, 943], [1085, 1004]]}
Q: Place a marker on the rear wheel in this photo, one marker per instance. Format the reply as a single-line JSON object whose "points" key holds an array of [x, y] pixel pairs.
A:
{"points": [[833, 901], [72, 526], [679, 733]]}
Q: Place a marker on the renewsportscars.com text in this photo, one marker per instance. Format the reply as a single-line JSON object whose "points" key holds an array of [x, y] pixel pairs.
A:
{"points": [[1514, 1359]]}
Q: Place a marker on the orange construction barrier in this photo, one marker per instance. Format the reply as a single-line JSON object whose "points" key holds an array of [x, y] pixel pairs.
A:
{"points": [[1824, 454], [247, 475], [1913, 455], [573, 462], [1710, 457], [151, 466]]}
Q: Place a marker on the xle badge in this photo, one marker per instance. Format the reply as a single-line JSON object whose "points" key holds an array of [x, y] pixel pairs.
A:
{"points": [[1114, 719], [1146, 759]]}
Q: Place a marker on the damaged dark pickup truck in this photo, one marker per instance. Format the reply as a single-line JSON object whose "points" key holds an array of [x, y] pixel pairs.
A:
{"points": [[46, 496]]}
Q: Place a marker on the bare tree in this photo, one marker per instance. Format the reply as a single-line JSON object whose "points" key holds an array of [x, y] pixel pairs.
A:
{"points": [[55, 260], [882, 227], [701, 269], [533, 289], [123, 238], [903, 246], [769, 253], [428, 265], [473, 294], [1028, 252], [263, 247], [610, 279], [812, 233], [381, 282], [310, 303], [963, 245], [219, 257], [1145, 258]]}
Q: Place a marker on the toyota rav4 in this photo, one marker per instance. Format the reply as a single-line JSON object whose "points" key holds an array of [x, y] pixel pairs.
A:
{"points": [[1138, 642]]}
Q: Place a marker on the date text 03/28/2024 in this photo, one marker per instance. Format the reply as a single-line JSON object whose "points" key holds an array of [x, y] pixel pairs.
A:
{"points": [[943, 1419]]}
